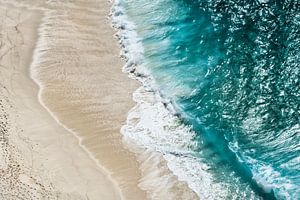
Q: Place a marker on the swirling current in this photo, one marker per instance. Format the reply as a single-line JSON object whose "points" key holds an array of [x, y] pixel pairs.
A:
{"points": [[232, 68]]}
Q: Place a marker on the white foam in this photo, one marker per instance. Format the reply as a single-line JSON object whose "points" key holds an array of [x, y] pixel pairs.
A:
{"points": [[151, 124], [271, 180]]}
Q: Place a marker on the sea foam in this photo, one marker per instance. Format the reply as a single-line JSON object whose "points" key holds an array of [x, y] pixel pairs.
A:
{"points": [[152, 126]]}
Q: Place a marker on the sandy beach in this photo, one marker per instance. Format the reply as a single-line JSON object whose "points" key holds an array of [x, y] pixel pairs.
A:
{"points": [[63, 100], [158, 100], [40, 159]]}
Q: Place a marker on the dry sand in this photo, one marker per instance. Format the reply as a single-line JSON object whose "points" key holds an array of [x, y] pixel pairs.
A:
{"points": [[60, 134]]}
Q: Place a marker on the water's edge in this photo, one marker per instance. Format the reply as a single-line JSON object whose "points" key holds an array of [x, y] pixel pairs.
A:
{"points": [[154, 129], [40, 46]]}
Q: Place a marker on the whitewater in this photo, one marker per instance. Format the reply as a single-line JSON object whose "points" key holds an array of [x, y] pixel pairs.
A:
{"points": [[220, 92]]}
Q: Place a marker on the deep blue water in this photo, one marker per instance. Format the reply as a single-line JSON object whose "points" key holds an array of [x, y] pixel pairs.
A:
{"points": [[232, 68]]}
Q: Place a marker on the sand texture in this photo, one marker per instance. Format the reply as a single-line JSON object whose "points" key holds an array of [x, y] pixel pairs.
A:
{"points": [[63, 100], [39, 159]]}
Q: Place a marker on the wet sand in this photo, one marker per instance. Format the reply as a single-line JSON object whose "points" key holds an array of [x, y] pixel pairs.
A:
{"points": [[63, 101], [39, 159], [77, 66]]}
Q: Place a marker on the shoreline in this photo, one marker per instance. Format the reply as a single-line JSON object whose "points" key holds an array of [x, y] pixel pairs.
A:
{"points": [[68, 135], [84, 127], [143, 132], [43, 160], [49, 162]]}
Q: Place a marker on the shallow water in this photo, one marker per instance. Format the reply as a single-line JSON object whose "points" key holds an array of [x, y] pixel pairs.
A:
{"points": [[231, 71]]}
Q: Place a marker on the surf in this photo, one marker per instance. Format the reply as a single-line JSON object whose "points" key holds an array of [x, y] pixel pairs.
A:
{"points": [[220, 69]]}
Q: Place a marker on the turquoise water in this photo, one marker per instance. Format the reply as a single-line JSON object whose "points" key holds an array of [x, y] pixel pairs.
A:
{"points": [[232, 70]]}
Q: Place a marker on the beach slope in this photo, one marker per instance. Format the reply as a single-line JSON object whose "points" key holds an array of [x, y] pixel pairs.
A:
{"points": [[39, 159]]}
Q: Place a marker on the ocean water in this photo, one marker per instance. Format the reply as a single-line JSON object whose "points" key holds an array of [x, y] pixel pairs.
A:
{"points": [[221, 93]]}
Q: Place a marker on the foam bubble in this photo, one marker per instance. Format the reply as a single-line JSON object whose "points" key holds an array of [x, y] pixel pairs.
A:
{"points": [[152, 125], [271, 180]]}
